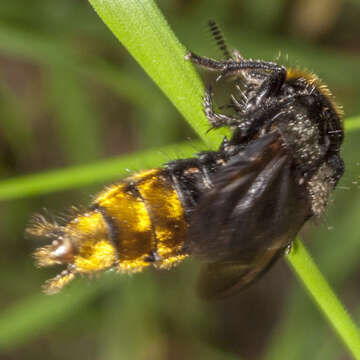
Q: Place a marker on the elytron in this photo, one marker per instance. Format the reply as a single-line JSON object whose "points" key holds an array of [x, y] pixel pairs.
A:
{"points": [[238, 208]]}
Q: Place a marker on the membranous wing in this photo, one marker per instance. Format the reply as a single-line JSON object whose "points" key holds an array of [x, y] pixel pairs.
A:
{"points": [[242, 225]]}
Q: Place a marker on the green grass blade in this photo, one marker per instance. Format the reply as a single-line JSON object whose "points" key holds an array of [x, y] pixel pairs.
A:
{"points": [[100, 172], [304, 266], [144, 32], [104, 170]]}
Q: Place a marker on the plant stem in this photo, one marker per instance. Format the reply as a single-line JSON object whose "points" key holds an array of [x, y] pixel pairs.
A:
{"points": [[304, 266], [142, 29], [99, 172]]}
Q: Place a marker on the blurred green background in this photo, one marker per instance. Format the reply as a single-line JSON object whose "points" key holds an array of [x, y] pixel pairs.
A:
{"points": [[71, 95]]}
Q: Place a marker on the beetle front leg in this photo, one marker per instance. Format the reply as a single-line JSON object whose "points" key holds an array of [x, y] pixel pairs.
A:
{"points": [[217, 120], [205, 62]]}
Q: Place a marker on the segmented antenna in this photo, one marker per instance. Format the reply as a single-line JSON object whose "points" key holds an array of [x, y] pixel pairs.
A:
{"points": [[219, 38]]}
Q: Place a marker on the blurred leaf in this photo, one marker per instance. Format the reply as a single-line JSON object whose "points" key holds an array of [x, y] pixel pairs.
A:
{"points": [[352, 124], [14, 122], [266, 13], [34, 316], [44, 50], [140, 319], [77, 122]]}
